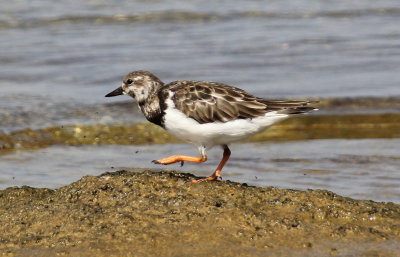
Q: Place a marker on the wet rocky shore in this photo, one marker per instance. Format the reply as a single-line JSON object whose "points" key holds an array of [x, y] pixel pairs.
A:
{"points": [[306, 127], [151, 213]]}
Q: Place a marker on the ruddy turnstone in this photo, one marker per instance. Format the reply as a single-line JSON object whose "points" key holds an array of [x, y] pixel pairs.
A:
{"points": [[204, 113]]}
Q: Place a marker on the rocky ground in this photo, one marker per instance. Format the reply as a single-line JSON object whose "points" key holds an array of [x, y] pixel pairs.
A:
{"points": [[152, 213]]}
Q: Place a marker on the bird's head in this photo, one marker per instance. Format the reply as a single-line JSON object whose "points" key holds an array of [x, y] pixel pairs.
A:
{"points": [[139, 85]]}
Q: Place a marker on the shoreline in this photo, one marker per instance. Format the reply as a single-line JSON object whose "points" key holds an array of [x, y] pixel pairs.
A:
{"points": [[304, 127], [161, 213]]}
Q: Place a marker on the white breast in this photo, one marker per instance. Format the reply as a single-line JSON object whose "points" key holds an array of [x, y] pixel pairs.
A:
{"points": [[217, 133]]}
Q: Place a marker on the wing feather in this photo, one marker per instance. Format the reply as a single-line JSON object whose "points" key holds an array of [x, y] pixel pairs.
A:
{"points": [[208, 102]]}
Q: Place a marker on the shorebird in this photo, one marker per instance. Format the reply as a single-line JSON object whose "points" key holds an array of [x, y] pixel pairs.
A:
{"points": [[204, 113]]}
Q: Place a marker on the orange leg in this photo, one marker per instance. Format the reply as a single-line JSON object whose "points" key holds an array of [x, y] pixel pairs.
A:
{"points": [[217, 172], [180, 158]]}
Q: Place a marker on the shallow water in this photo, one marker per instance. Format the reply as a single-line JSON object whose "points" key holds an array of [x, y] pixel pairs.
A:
{"points": [[58, 60], [362, 169], [305, 48]]}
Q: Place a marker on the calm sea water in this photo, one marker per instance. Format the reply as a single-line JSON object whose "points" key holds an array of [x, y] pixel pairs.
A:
{"points": [[303, 48], [58, 60], [362, 169]]}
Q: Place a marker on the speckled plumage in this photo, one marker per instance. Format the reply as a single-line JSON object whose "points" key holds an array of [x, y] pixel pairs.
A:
{"points": [[205, 113], [208, 102]]}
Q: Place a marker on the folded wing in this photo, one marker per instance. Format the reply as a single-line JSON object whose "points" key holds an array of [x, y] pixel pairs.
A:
{"points": [[208, 102]]}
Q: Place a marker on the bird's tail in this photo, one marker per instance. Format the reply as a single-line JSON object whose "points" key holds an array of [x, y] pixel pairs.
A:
{"points": [[289, 106]]}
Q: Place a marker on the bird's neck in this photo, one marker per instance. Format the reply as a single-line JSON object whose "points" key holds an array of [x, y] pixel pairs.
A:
{"points": [[151, 109]]}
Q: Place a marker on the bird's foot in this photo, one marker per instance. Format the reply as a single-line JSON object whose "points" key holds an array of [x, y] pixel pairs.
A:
{"points": [[210, 178], [179, 158], [166, 161]]}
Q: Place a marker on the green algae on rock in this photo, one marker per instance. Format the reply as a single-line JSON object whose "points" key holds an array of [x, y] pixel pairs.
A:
{"points": [[129, 134], [349, 126], [380, 104], [163, 214]]}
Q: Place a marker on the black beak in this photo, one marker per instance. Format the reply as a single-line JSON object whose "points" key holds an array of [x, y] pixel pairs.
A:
{"points": [[118, 91]]}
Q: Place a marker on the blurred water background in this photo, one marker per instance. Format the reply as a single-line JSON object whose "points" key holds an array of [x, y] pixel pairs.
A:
{"points": [[58, 60]]}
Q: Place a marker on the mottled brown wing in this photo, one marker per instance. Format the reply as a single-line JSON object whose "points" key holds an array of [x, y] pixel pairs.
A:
{"points": [[209, 101]]}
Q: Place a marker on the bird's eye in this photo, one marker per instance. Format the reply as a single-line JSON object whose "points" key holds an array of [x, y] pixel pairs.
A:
{"points": [[129, 81]]}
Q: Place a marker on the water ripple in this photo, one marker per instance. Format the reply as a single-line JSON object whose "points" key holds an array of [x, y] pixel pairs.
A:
{"points": [[183, 16]]}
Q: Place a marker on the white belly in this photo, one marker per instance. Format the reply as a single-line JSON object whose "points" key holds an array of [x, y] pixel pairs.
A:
{"points": [[220, 133]]}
